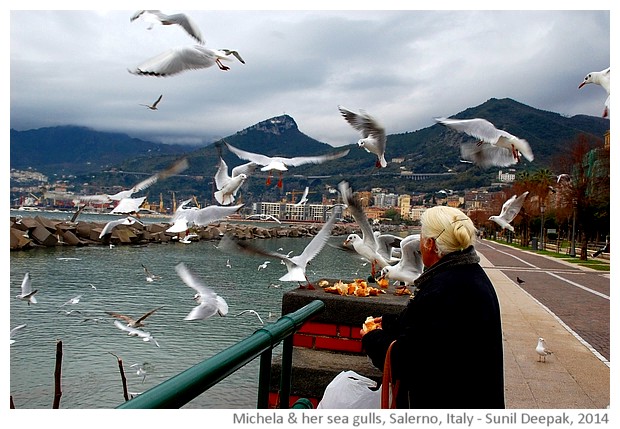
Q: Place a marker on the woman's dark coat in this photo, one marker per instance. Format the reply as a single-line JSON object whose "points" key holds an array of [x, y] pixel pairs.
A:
{"points": [[449, 350]]}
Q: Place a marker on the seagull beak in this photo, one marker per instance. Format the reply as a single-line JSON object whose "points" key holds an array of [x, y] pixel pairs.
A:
{"points": [[582, 84]]}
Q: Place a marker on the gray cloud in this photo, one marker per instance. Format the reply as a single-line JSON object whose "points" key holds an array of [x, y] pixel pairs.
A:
{"points": [[404, 67]]}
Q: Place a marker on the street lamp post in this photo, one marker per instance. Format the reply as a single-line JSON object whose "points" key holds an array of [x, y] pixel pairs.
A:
{"points": [[542, 225], [572, 243]]}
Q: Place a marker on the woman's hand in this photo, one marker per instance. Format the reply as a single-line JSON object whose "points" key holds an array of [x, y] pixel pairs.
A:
{"points": [[371, 324]]}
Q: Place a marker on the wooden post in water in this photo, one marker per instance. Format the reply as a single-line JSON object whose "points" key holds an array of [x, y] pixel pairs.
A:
{"points": [[57, 374], [123, 378]]}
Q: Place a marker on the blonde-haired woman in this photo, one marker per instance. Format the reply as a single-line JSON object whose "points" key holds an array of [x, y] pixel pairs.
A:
{"points": [[449, 351]]}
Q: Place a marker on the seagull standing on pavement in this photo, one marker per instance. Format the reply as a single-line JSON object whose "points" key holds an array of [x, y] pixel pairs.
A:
{"points": [[542, 350], [510, 210], [373, 134], [519, 280], [27, 291]]}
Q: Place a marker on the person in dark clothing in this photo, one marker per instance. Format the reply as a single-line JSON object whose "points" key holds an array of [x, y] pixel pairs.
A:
{"points": [[449, 347]]}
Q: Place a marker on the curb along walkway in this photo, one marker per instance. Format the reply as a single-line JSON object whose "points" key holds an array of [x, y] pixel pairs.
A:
{"points": [[573, 377]]}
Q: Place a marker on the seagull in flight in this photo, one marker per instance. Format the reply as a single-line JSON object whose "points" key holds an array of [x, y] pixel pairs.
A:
{"points": [[133, 332], [263, 265], [410, 266], [18, 328], [252, 312], [128, 205], [131, 322], [107, 229], [495, 148], [140, 372], [73, 301], [209, 302], [373, 134], [510, 210], [27, 291], [376, 249], [150, 277], [601, 78], [182, 58], [176, 168], [157, 17], [542, 350], [184, 218], [229, 185], [304, 198], [282, 164], [154, 105], [295, 265]]}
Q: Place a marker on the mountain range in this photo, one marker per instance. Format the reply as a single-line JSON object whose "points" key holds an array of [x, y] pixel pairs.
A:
{"points": [[71, 150]]}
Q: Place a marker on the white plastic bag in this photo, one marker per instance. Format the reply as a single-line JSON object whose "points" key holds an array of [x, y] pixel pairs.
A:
{"points": [[351, 390]]}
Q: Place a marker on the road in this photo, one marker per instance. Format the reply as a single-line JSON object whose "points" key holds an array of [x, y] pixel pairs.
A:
{"points": [[578, 297]]}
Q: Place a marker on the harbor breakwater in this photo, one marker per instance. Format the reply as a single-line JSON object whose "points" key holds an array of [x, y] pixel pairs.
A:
{"points": [[32, 232]]}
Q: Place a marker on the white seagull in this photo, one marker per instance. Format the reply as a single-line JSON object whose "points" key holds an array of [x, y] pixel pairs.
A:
{"points": [[410, 266], [27, 291], [157, 17], [154, 105], [17, 329], [209, 302], [184, 218], [149, 276], [600, 78], [131, 322], [510, 209], [541, 349], [182, 58], [376, 249], [128, 205], [260, 319], [133, 332], [73, 301], [263, 265], [229, 185], [177, 167], [140, 372], [107, 229], [295, 265], [496, 147], [373, 134], [281, 163], [304, 198]]}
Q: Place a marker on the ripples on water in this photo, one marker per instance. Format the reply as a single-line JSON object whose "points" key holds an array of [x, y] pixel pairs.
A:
{"points": [[90, 374]]}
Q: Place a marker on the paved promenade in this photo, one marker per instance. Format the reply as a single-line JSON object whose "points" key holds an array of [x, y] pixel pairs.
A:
{"points": [[573, 377]]}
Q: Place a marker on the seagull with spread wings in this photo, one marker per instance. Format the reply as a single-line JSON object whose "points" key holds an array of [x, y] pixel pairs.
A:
{"points": [[373, 134], [184, 218], [495, 148], [154, 17], [510, 209], [295, 265], [27, 291], [131, 322], [154, 105], [375, 248], [410, 266], [282, 164], [209, 302], [133, 332], [228, 186]]}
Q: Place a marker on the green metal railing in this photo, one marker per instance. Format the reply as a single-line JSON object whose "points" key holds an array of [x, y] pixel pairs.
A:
{"points": [[182, 388]]}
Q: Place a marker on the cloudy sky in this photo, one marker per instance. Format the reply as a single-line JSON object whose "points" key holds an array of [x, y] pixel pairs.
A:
{"points": [[404, 67]]}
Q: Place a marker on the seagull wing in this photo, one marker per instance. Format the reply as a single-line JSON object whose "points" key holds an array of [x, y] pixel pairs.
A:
{"points": [[188, 25], [147, 314], [366, 125], [249, 156], [319, 159], [20, 327], [26, 284], [487, 155], [211, 214], [513, 209], [221, 175], [355, 207], [127, 319], [157, 101], [506, 205], [247, 169], [317, 243], [176, 60], [477, 127]]}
